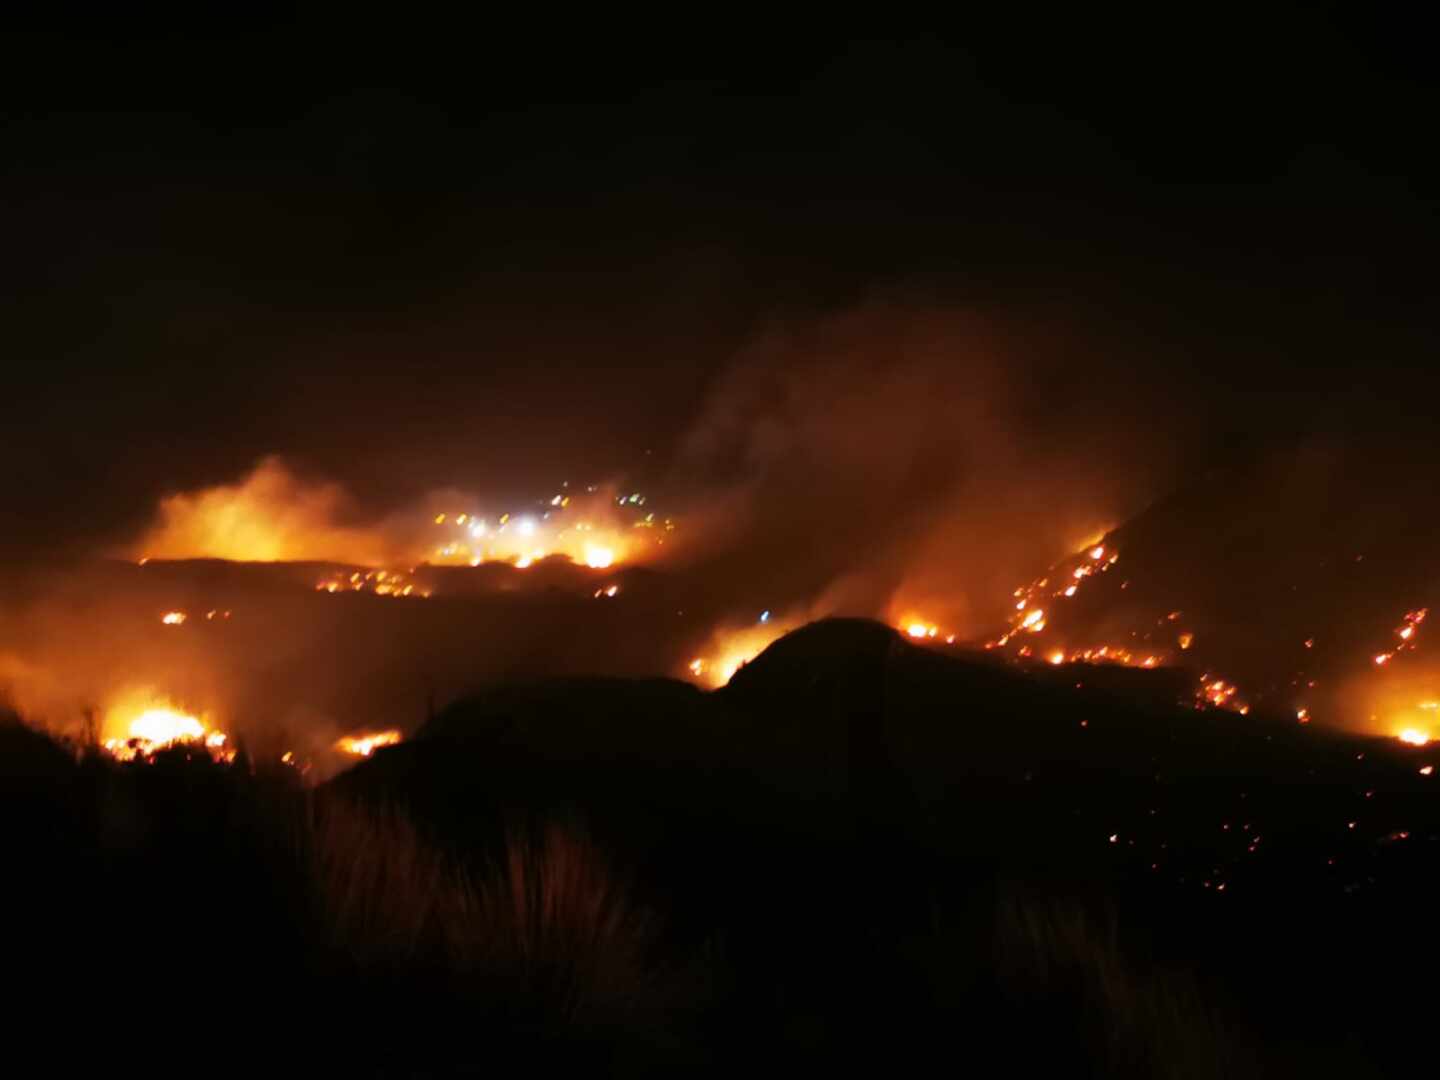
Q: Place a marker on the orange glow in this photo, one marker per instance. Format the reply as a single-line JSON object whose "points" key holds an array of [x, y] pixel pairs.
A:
{"points": [[139, 723], [269, 516], [1413, 736], [730, 650], [272, 516], [173, 618], [598, 557], [1383, 658], [1057, 657], [1097, 553], [366, 744], [164, 726], [1186, 640]]}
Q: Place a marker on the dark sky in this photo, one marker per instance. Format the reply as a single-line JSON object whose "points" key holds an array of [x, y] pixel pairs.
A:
{"points": [[413, 253]]}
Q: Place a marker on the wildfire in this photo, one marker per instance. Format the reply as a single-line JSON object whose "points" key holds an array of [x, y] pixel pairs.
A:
{"points": [[378, 582], [1413, 736], [921, 630], [590, 529], [730, 650], [366, 744], [1219, 694], [272, 516], [1029, 613], [173, 618], [146, 726]]}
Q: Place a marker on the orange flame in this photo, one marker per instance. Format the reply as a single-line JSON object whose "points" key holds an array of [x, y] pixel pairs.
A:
{"points": [[366, 744]]}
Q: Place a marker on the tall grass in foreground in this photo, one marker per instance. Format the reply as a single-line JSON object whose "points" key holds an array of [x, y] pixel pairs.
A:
{"points": [[1055, 961], [547, 931]]}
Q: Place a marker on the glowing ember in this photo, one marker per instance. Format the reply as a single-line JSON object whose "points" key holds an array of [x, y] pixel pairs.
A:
{"points": [[1426, 770], [173, 618], [1186, 640], [1097, 553], [1219, 694], [1383, 658], [1057, 657], [367, 744], [378, 582]]}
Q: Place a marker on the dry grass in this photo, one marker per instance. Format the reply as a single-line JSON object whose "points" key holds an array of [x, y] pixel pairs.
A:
{"points": [[381, 893], [559, 927], [548, 932], [1054, 958]]}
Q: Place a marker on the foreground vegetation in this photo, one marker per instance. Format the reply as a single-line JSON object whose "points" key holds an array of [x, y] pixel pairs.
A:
{"points": [[637, 878]]}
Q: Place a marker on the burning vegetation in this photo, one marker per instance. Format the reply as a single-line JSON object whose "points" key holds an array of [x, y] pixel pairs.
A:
{"points": [[141, 724], [366, 743]]}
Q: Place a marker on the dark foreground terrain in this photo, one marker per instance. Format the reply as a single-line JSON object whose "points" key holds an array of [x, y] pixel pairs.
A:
{"points": [[858, 853]]}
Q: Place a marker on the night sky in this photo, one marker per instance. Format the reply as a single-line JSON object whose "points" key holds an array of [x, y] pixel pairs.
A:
{"points": [[422, 254]]}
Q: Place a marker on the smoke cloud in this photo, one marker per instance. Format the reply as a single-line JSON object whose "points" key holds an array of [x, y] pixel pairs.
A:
{"points": [[899, 456]]}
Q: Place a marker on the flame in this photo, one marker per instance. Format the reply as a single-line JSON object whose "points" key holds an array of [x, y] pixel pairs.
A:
{"points": [[730, 650], [269, 516], [165, 726], [593, 529], [139, 724], [1413, 736], [173, 618], [379, 582], [366, 744]]}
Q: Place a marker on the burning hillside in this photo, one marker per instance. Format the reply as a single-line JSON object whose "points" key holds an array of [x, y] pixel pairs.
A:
{"points": [[1296, 600], [273, 516]]}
